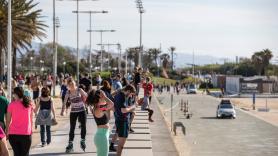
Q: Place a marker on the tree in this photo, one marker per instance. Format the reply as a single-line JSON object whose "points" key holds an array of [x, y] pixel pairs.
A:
{"points": [[132, 55], [165, 63], [172, 49], [26, 26], [261, 60]]}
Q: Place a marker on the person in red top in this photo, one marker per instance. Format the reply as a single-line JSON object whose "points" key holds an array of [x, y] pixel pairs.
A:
{"points": [[19, 123], [148, 89], [3, 144]]}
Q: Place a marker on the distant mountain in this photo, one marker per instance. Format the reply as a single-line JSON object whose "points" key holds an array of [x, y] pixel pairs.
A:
{"points": [[184, 59]]}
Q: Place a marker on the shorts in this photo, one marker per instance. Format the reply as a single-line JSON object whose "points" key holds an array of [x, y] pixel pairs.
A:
{"points": [[122, 128], [36, 94]]}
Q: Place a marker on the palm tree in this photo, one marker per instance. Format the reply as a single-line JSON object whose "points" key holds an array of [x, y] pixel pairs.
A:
{"points": [[155, 54], [261, 60], [132, 55], [165, 63], [26, 26], [172, 49]]}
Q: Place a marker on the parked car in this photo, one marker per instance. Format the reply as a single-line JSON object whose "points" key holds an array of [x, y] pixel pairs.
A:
{"points": [[225, 109], [192, 89]]}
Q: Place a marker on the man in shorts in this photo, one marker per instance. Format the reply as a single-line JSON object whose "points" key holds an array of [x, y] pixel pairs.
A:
{"points": [[122, 115]]}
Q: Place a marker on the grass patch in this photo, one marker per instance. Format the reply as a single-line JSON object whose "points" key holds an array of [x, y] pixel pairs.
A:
{"points": [[162, 81]]}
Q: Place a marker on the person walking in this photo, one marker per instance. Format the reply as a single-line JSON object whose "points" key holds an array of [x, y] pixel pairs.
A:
{"points": [[3, 110], [3, 144], [49, 82], [122, 112], [98, 80], [2, 91], [35, 86], [64, 90], [137, 79], [101, 106], [86, 82], [44, 117], [19, 123], [76, 98], [117, 85]]}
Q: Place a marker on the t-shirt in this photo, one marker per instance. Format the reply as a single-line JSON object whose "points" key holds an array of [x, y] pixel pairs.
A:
{"points": [[137, 78], [3, 107], [21, 119], [148, 89], [120, 102], [2, 134], [86, 82], [117, 85], [64, 90]]}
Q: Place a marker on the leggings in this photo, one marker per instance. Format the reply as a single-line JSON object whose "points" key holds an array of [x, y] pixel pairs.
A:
{"points": [[21, 144], [102, 141], [82, 117]]}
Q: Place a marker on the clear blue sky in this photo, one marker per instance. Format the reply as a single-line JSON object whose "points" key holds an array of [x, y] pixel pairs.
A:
{"points": [[223, 28]]}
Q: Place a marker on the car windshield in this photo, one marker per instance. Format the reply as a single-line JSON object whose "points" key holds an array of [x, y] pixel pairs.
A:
{"points": [[226, 106], [225, 102], [192, 86]]}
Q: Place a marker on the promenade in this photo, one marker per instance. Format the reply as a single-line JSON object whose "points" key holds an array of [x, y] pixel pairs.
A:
{"points": [[149, 139]]}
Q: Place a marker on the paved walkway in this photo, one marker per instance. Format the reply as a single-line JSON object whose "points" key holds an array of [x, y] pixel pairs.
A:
{"points": [[163, 144], [138, 143]]}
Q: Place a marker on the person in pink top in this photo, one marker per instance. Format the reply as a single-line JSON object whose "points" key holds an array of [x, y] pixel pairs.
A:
{"points": [[19, 123], [3, 144]]}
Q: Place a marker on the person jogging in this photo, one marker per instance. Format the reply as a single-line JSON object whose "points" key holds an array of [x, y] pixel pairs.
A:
{"points": [[75, 98], [44, 118], [101, 106]]}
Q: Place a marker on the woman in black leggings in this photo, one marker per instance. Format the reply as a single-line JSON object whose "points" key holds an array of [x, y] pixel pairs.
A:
{"points": [[75, 97]]}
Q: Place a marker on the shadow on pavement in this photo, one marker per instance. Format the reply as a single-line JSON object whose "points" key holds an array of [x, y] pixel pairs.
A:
{"points": [[209, 117], [61, 153]]}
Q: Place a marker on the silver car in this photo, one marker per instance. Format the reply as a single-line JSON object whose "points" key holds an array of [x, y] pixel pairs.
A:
{"points": [[192, 89], [225, 109]]}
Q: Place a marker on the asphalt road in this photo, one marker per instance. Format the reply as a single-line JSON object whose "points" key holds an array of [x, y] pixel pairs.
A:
{"points": [[208, 136]]}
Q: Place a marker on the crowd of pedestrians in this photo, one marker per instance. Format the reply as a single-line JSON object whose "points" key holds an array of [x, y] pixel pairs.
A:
{"points": [[32, 99]]}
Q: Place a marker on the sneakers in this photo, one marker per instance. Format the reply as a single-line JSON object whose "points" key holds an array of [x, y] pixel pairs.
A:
{"points": [[83, 144], [69, 148], [43, 144], [112, 148], [151, 120]]}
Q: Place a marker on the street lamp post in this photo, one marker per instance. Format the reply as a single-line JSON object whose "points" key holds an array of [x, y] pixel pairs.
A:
{"points": [[119, 50], [90, 32], [77, 34], [64, 67], [31, 63], [102, 49], [55, 44], [9, 45], [141, 11]]}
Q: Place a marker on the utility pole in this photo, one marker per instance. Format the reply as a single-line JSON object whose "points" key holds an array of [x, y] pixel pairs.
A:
{"points": [[9, 71], [101, 52], [141, 11], [90, 33]]}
